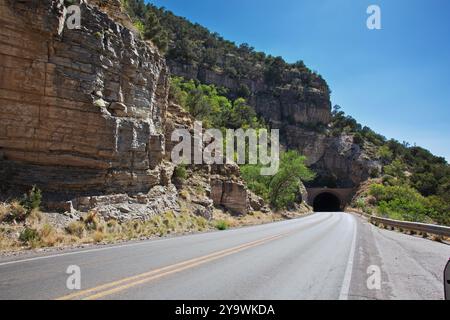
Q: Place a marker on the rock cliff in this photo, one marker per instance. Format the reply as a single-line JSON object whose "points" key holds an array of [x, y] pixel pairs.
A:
{"points": [[299, 101], [289, 97], [302, 113], [337, 160], [82, 110], [85, 116]]}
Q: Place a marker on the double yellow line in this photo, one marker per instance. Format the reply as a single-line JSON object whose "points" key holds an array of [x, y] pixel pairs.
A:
{"points": [[126, 283]]}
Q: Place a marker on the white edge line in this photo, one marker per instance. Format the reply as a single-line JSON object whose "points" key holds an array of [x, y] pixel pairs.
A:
{"points": [[349, 270], [145, 242], [82, 251]]}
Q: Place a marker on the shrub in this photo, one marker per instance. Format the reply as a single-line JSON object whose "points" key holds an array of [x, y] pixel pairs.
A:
{"points": [[112, 226], [98, 236], [401, 202], [139, 26], [47, 235], [390, 180], [201, 223], [46, 230], [281, 189], [180, 173], [76, 228], [169, 220], [29, 235], [374, 173], [361, 204], [32, 200], [358, 139], [385, 154], [91, 220], [222, 225], [396, 169]]}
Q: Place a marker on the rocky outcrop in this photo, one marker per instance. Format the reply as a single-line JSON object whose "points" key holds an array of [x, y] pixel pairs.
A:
{"points": [[231, 195], [304, 103], [123, 207], [337, 160], [301, 110], [83, 110], [222, 183], [85, 116]]}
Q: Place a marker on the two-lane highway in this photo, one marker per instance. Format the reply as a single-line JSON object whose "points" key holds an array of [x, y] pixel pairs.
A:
{"points": [[322, 256]]}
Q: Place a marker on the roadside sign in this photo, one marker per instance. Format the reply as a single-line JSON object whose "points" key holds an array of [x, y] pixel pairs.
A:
{"points": [[447, 281]]}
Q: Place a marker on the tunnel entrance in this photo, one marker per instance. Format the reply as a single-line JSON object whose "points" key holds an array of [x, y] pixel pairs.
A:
{"points": [[327, 202]]}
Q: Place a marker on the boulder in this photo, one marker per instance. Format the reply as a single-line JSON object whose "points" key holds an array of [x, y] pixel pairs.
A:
{"points": [[256, 202], [118, 109], [231, 195]]}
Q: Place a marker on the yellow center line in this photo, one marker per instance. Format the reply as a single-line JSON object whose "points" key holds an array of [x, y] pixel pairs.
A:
{"points": [[125, 283], [148, 279]]}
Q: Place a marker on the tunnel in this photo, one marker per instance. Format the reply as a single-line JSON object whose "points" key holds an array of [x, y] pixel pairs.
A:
{"points": [[327, 202]]}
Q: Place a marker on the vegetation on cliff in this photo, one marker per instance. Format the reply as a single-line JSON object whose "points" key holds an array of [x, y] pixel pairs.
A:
{"points": [[192, 44], [209, 104], [411, 169], [415, 184]]}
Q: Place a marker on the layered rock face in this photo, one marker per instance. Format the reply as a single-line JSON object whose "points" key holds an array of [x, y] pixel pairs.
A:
{"points": [[296, 112], [82, 111], [302, 104], [231, 195], [337, 161], [85, 116], [222, 184]]}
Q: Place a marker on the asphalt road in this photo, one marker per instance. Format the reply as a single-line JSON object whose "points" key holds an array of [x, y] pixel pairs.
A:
{"points": [[322, 256]]}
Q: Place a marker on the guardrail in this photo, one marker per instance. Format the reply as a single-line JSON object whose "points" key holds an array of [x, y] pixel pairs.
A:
{"points": [[431, 229]]}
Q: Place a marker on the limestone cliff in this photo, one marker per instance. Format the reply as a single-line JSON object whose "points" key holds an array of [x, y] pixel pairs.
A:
{"points": [[337, 160], [85, 113], [85, 116], [81, 110], [302, 113], [298, 100], [289, 97]]}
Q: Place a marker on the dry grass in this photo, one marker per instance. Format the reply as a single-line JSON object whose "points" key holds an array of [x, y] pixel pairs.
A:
{"points": [[37, 232], [252, 218], [185, 195], [13, 211], [4, 210], [98, 236], [8, 238], [76, 228]]}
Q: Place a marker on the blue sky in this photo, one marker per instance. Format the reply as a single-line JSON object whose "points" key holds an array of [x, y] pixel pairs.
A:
{"points": [[395, 80]]}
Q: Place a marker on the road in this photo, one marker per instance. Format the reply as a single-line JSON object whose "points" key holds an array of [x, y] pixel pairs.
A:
{"points": [[322, 256]]}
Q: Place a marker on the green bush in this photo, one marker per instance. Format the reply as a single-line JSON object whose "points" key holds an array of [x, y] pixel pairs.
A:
{"points": [[405, 203], [28, 235], [384, 153], [180, 172], [210, 105], [361, 204], [222, 225], [32, 200], [282, 188], [358, 139]]}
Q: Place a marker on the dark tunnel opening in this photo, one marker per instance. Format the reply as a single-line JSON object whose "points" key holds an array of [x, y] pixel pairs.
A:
{"points": [[326, 202]]}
